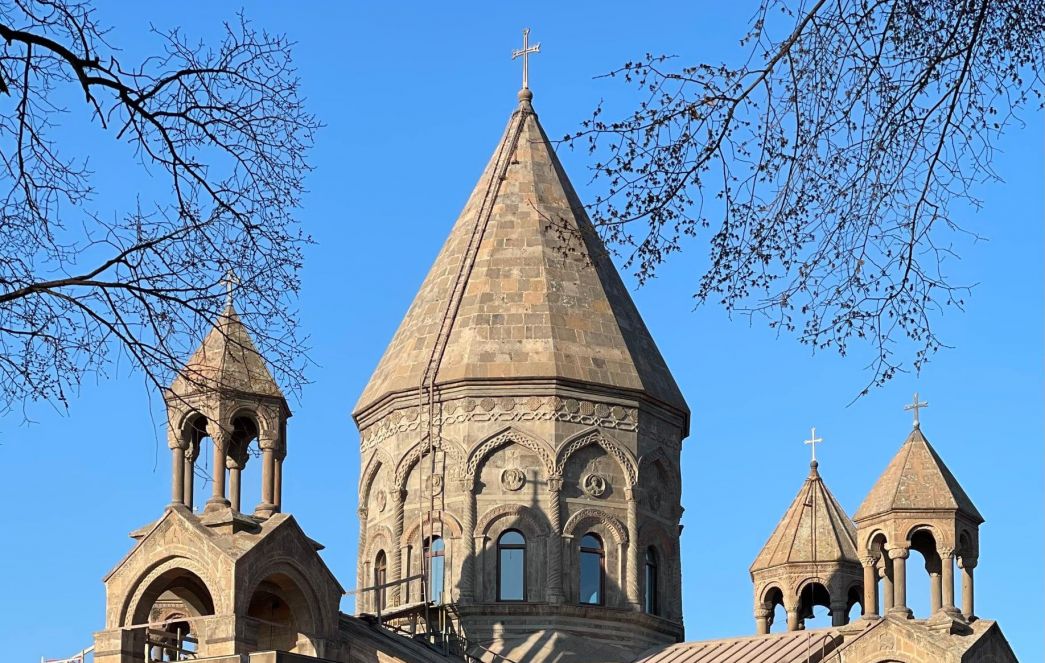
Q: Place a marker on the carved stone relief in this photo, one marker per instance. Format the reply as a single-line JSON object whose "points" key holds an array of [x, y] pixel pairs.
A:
{"points": [[505, 409]]}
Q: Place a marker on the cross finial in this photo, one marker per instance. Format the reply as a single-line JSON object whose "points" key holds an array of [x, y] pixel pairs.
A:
{"points": [[230, 281], [524, 53], [916, 405], [813, 441]]}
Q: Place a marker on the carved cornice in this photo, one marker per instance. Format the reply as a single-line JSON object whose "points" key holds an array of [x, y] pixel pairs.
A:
{"points": [[506, 409]]}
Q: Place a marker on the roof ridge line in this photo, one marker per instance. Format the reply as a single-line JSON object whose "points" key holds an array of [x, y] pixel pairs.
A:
{"points": [[903, 465], [431, 372]]}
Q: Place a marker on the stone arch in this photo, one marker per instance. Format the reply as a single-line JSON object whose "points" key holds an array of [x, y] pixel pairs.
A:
{"points": [[939, 535], [595, 436], [658, 455], [378, 459], [377, 535], [301, 611], [258, 413], [654, 535], [811, 592], [586, 517], [876, 542], [308, 602], [507, 436], [411, 457], [531, 520], [156, 578], [966, 545], [771, 592], [454, 528]]}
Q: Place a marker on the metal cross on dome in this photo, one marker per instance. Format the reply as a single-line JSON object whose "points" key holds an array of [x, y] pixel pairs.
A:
{"points": [[230, 281], [524, 53], [813, 441], [916, 405]]}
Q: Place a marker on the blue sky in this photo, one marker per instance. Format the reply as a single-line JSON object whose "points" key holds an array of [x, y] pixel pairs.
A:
{"points": [[414, 99]]}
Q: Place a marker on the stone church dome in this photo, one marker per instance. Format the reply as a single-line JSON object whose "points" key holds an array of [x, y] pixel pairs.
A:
{"points": [[523, 288]]}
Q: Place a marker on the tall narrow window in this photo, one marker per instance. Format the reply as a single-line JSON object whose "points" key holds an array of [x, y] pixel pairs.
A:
{"points": [[380, 578], [651, 581], [436, 559], [511, 566], [592, 574]]}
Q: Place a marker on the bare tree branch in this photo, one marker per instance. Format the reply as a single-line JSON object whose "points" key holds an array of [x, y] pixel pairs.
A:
{"points": [[224, 125], [834, 157]]}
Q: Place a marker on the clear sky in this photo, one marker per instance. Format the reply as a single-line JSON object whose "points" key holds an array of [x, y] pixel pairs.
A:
{"points": [[414, 99]]}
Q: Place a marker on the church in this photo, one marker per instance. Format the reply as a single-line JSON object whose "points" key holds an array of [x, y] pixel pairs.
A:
{"points": [[520, 488]]}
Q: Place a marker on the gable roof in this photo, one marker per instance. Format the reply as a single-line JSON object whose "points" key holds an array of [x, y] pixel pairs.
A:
{"points": [[793, 647], [523, 288], [814, 528], [916, 479]]}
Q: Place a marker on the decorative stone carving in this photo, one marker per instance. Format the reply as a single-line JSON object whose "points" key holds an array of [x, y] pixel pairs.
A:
{"points": [[609, 446], [513, 479], [454, 462], [381, 500], [594, 484], [509, 436], [434, 485], [507, 410]]}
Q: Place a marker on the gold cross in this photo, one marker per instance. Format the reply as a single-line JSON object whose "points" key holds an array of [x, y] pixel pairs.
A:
{"points": [[230, 281], [916, 405], [813, 441], [524, 53]]}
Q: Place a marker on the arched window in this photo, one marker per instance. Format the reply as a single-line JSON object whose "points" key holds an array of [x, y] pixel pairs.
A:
{"points": [[436, 560], [511, 566], [592, 575], [380, 578], [650, 601]]}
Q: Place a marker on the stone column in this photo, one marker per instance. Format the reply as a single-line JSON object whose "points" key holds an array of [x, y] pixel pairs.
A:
{"points": [[177, 448], [555, 541], [935, 589], [277, 480], [793, 622], [234, 482], [634, 561], [839, 614], [468, 540], [189, 472], [887, 583], [362, 579], [870, 589], [396, 552], [947, 582], [967, 565], [762, 621], [481, 592], [899, 555], [217, 499], [267, 506]]}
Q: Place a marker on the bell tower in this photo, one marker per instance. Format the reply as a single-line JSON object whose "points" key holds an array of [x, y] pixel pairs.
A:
{"points": [[918, 506], [222, 581], [809, 560], [225, 392]]}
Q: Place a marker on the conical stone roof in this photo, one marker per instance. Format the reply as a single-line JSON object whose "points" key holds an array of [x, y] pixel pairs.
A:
{"points": [[916, 479], [815, 528], [523, 288], [227, 361]]}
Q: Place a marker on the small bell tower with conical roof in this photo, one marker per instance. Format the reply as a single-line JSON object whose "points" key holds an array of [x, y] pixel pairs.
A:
{"points": [[918, 505], [222, 583], [226, 392], [809, 560]]}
